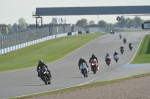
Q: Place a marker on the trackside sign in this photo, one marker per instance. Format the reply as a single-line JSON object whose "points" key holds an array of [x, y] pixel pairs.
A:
{"points": [[146, 25]]}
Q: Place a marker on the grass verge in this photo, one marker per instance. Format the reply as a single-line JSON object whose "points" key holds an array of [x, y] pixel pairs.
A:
{"points": [[143, 54], [48, 51], [83, 86]]}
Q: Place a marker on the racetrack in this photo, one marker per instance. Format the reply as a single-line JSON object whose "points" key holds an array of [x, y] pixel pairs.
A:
{"points": [[65, 71]]}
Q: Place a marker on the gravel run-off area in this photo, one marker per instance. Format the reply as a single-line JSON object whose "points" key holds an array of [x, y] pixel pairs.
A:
{"points": [[137, 88]]}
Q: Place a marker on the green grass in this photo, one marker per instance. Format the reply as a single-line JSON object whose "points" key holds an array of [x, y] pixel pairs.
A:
{"points": [[143, 54], [83, 86], [48, 51]]}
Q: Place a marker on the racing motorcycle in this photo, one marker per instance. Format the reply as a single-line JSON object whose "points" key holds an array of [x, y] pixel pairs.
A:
{"points": [[45, 75], [122, 51], [116, 58], [84, 69], [120, 37], [108, 60], [94, 65], [124, 41], [130, 47]]}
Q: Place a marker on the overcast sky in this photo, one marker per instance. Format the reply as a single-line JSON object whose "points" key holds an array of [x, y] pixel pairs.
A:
{"points": [[12, 10]]}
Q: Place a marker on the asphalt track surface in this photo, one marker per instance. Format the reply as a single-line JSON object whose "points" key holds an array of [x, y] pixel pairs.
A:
{"points": [[65, 71]]}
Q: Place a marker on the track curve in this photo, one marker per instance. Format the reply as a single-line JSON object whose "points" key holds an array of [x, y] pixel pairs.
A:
{"points": [[65, 71]]}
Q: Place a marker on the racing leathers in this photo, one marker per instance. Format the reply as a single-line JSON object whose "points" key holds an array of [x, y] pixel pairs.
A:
{"points": [[40, 65], [94, 57], [82, 61]]}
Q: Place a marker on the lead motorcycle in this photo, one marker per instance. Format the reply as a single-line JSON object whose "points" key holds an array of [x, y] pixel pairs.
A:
{"points": [[116, 58], [94, 65], [45, 75], [84, 69]]}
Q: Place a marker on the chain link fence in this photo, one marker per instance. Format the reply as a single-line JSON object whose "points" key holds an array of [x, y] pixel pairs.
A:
{"points": [[7, 40]]}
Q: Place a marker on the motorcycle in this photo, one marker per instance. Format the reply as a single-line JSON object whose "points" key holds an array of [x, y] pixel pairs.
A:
{"points": [[84, 69], [108, 60], [94, 66], [116, 58], [45, 75], [130, 47], [120, 37], [122, 51], [124, 41]]}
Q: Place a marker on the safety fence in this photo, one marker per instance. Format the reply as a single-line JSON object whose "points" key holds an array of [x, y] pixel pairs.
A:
{"points": [[28, 43]]}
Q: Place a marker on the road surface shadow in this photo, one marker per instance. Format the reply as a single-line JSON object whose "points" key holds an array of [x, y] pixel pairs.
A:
{"points": [[35, 85], [78, 77]]}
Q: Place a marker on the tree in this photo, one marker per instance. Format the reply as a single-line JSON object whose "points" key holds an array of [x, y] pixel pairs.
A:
{"points": [[132, 22], [9, 26], [82, 22], [22, 23], [91, 22], [123, 21], [109, 24], [4, 28], [102, 23], [138, 21], [15, 26]]}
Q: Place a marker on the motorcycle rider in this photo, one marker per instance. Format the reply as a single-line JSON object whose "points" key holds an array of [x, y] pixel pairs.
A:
{"points": [[81, 60], [41, 64], [110, 31], [120, 35], [124, 40], [115, 53], [94, 57], [107, 56], [121, 47], [130, 44]]}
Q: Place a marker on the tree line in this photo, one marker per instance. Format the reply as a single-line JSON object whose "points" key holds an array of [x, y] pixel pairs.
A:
{"points": [[22, 24], [124, 22]]}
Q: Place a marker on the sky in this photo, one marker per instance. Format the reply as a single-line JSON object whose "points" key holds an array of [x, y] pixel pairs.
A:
{"points": [[12, 10]]}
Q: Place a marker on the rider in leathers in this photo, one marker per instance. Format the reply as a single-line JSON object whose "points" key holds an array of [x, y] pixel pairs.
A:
{"points": [[107, 55], [94, 57], [120, 35], [124, 40], [40, 64], [121, 47], [81, 60], [130, 44], [115, 53]]}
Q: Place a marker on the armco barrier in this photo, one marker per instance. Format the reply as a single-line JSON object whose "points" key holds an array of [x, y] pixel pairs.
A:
{"points": [[12, 48]]}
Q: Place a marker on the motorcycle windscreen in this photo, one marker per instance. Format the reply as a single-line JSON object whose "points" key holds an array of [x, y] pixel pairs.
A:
{"points": [[83, 66]]}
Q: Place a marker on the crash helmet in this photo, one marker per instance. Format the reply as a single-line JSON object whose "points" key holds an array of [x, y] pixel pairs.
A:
{"points": [[81, 58], [40, 61], [107, 53], [93, 55]]}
